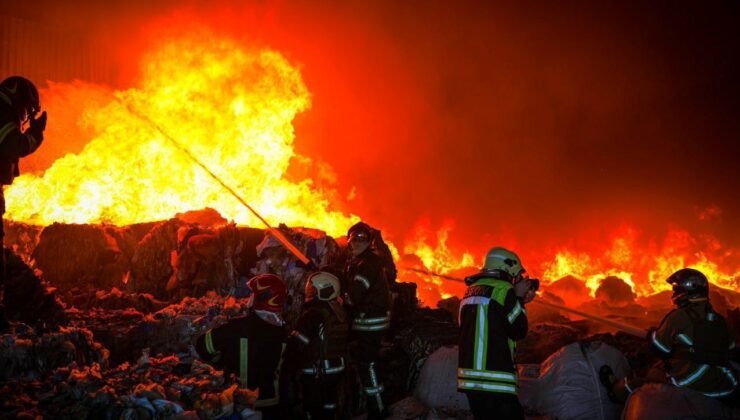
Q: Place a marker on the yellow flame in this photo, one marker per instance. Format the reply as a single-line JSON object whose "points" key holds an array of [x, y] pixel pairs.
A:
{"points": [[232, 107], [439, 259], [646, 272]]}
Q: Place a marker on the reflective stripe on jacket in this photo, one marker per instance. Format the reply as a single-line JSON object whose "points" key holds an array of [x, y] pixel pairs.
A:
{"points": [[682, 336], [492, 319], [250, 348]]}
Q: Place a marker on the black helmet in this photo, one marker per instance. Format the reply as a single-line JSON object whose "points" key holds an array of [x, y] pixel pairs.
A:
{"points": [[20, 94], [688, 285], [360, 230]]}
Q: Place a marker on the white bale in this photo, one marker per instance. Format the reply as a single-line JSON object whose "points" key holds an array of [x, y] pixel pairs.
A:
{"points": [[437, 384], [568, 385], [663, 401]]}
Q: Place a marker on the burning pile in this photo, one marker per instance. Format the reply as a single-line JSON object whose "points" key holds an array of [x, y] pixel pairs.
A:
{"points": [[99, 227]]}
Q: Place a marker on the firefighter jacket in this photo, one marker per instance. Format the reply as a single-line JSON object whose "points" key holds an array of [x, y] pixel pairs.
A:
{"points": [[318, 344], [492, 319], [251, 348], [368, 296], [696, 343], [14, 144]]}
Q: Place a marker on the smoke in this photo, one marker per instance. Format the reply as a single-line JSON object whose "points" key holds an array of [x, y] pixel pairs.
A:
{"points": [[531, 127]]}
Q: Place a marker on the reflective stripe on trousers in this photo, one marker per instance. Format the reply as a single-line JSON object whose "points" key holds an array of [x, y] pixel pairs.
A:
{"points": [[375, 388], [372, 324], [326, 368]]}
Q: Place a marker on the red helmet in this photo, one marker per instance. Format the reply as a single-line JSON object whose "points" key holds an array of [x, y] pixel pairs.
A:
{"points": [[268, 292], [21, 94]]}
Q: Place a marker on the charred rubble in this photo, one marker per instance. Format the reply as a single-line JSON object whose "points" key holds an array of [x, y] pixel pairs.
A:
{"points": [[107, 333]]}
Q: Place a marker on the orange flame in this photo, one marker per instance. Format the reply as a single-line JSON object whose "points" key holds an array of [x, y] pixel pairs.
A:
{"points": [[233, 107], [230, 106]]}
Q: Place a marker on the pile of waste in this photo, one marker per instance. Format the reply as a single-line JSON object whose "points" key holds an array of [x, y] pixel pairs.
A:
{"points": [[108, 332], [126, 332], [175, 386]]}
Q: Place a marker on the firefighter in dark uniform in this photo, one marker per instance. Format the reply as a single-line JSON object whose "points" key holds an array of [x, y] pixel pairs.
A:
{"points": [[693, 340], [19, 103], [317, 346], [252, 347], [492, 319], [368, 301]]}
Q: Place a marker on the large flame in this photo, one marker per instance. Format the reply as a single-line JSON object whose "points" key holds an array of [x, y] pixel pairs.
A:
{"points": [[643, 263], [230, 106], [233, 108]]}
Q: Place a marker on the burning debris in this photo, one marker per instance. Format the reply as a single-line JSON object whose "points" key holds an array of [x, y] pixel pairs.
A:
{"points": [[132, 305], [126, 344]]}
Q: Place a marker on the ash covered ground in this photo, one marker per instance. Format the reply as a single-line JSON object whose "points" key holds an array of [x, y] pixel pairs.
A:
{"points": [[103, 318]]}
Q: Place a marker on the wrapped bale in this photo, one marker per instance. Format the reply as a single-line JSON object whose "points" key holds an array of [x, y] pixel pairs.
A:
{"points": [[437, 384], [544, 339], [566, 385], [150, 265], [419, 335], [83, 255], [206, 259], [662, 401]]}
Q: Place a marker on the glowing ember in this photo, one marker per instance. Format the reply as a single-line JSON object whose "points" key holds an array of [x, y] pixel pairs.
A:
{"points": [[232, 107]]}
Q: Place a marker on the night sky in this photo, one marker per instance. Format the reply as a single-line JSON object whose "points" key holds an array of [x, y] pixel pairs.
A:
{"points": [[520, 123]]}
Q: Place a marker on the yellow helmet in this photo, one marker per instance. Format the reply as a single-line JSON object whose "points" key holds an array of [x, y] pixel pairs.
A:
{"points": [[322, 285], [501, 260]]}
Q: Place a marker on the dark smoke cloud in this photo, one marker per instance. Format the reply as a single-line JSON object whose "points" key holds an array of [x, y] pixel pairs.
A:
{"points": [[526, 124]]}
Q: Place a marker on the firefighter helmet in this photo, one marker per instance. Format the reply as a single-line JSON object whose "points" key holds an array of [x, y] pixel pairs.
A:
{"points": [[21, 94], [322, 285], [689, 285], [504, 263], [360, 230], [268, 292]]}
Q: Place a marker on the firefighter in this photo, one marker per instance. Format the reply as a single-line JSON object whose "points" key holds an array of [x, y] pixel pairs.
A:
{"points": [[693, 340], [275, 259], [492, 319], [317, 346], [368, 301], [19, 103], [252, 347]]}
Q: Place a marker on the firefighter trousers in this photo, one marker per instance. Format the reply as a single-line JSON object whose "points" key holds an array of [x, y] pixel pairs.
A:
{"points": [[366, 352], [320, 395]]}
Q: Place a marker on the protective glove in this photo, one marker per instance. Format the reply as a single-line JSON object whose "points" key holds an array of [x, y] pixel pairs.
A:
{"points": [[38, 123]]}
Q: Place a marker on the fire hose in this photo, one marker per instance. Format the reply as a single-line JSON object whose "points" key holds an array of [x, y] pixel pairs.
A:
{"points": [[629, 329], [273, 231]]}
